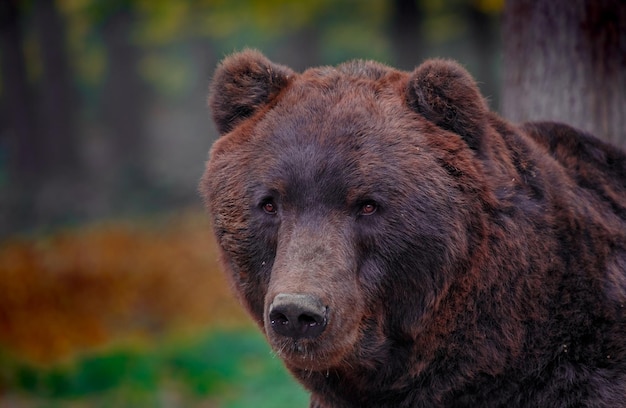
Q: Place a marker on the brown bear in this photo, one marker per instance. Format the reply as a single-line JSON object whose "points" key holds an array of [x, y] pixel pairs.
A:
{"points": [[402, 246]]}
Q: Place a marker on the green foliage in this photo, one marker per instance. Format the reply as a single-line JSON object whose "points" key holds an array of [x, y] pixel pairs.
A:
{"points": [[161, 28], [229, 369], [165, 32]]}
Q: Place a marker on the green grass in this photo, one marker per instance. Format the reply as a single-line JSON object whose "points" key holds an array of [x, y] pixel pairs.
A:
{"points": [[219, 369]]}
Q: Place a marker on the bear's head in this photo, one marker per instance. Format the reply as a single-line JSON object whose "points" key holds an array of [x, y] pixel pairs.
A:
{"points": [[346, 201]]}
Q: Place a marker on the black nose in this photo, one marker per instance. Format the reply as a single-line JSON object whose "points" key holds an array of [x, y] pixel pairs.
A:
{"points": [[297, 315]]}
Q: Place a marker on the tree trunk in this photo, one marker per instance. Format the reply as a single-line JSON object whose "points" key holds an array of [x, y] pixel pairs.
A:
{"points": [[19, 134], [566, 61], [125, 96], [406, 24], [57, 97], [483, 52]]}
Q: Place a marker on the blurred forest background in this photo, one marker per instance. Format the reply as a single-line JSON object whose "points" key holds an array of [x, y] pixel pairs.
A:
{"points": [[110, 291], [103, 101]]}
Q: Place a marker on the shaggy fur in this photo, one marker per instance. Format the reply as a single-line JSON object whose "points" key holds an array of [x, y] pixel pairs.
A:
{"points": [[461, 261]]}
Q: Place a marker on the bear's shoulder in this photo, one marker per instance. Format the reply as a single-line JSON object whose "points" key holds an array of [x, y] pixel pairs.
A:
{"points": [[589, 161]]}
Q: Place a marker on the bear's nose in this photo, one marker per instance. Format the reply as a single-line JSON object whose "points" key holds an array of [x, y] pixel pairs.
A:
{"points": [[298, 315]]}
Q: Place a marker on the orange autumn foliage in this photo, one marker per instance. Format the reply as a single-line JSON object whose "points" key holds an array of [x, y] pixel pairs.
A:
{"points": [[81, 288]]}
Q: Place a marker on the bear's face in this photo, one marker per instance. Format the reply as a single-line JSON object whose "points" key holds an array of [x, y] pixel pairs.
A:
{"points": [[334, 197]]}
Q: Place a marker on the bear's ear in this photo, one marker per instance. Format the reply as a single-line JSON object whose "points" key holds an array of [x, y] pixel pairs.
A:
{"points": [[446, 94], [243, 83]]}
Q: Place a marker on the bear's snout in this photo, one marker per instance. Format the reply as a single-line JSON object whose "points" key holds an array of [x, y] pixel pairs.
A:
{"points": [[298, 315]]}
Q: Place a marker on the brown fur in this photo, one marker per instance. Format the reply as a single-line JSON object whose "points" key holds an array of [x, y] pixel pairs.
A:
{"points": [[460, 260]]}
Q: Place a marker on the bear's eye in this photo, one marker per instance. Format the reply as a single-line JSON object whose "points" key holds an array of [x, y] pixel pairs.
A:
{"points": [[269, 207], [369, 208]]}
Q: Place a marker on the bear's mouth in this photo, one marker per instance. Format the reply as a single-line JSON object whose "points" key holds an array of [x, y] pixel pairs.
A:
{"points": [[307, 354], [321, 353]]}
